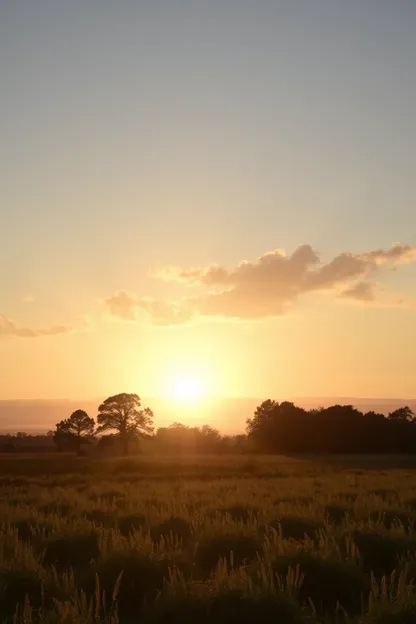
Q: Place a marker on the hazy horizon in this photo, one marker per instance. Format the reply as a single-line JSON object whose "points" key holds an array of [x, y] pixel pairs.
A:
{"points": [[207, 199], [227, 414]]}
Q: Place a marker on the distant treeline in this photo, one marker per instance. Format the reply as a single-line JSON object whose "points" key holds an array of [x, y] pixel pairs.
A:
{"points": [[286, 428], [274, 428]]}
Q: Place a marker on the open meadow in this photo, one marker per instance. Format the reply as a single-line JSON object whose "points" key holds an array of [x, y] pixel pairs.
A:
{"points": [[207, 539]]}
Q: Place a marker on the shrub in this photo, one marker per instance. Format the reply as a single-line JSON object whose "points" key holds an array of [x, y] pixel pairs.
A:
{"points": [[380, 551], [327, 582], [384, 493], [230, 606], [100, 517], [234, 548], [174, 527], [142, 577], [293, 527], [337, 513], [238, 513], [60, 509], [71, 550], [393, 517], [397, 612], [133, 522], [15, 586]]}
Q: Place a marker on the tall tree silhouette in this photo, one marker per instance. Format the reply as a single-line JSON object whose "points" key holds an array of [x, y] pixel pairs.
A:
{"points": [[402, 413], [124, 413], [74, 430]]}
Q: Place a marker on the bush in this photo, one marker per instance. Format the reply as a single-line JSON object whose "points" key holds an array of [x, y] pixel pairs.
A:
{"points": [[397, 612], [380, 551], [234, 548], [292, 527], [336, 513], [142, 577], [238, 513], [230, 606], [393, 517], [100, 517], [71, 550], [174, 527], [26, 528], [15, 586], [60, 509], [327, 582], [133, 522]]}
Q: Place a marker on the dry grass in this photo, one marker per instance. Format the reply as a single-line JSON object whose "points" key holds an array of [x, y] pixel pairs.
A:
{"points": [[212, 539]]}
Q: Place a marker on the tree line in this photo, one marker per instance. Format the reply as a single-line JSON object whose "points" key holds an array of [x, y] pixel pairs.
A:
{"points": [[274, 428], [286, 428]]}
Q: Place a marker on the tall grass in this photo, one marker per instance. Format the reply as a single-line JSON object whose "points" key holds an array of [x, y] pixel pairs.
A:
{"points": [[214, 539]]}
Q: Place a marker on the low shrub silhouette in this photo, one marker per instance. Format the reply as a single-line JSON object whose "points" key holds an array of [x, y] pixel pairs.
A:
{"points": [[174, 527], [132, 522], [234, 548], [15, 587], [238, 513], [141, 578], [327, 582], [230, 606], [393, 517], [72, 550], [381, 551], [100, 517], [297, 527], [337, 513]]}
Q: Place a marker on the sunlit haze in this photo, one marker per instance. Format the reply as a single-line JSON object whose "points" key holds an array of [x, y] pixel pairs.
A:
{"points": [[201, 200]]}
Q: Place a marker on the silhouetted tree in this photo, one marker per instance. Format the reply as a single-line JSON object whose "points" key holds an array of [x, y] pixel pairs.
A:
{"points": [[123, 413], [402, 413], [282, 428], [184, 439], [73, 431]]}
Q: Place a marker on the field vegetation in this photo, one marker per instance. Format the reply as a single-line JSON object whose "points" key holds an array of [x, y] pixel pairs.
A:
{"points": [[240, 538]]}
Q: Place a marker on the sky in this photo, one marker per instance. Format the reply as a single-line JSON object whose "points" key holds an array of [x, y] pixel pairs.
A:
{"points": [[219, 193]]}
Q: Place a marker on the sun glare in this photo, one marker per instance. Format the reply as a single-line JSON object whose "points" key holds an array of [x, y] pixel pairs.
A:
{"points": [[187, 389]]}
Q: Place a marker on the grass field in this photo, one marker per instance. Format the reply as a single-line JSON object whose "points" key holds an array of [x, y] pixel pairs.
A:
{"points": [[207, 539]]}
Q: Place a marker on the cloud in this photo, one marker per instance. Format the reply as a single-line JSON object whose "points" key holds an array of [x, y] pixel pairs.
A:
{"points": [[28, 299], [362, 291], [267, 287], [122, 305], [8, 329]]}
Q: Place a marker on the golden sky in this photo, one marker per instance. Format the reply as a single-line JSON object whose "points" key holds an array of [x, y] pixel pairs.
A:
{"points": [[216, 201]]}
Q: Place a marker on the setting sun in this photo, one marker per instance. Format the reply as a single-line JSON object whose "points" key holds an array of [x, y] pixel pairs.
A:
{"points": [[187, 389]]}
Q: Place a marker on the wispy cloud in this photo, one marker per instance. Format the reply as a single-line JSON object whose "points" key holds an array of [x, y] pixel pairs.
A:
{"points": [[362, 291], [9, 329], [28, 299], [267, 287]]}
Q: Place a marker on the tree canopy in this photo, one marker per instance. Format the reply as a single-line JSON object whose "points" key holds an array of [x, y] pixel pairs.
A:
{"points": [[124, 414], [286, 428], [75, 430]]}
